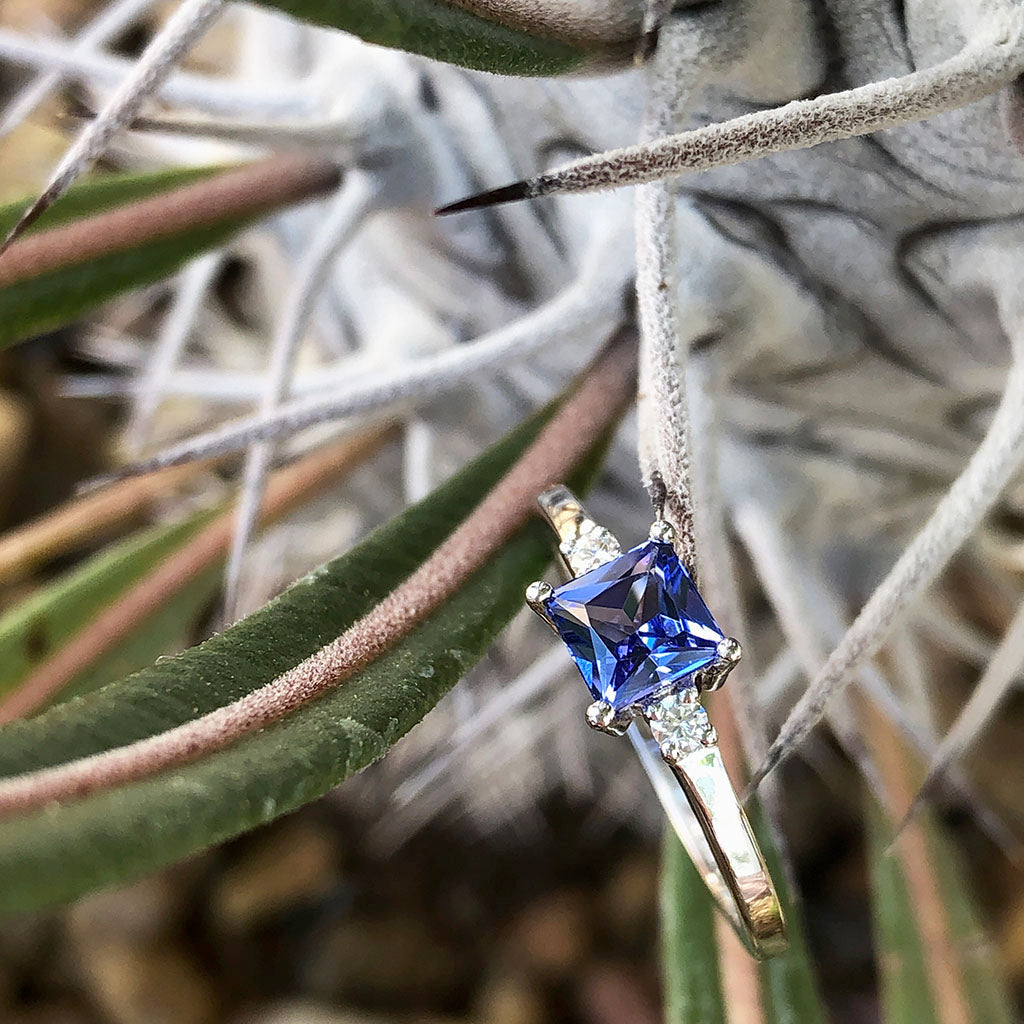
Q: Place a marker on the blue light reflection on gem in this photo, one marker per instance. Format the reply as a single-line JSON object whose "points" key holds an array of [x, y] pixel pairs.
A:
{"points": [[635, 625]]}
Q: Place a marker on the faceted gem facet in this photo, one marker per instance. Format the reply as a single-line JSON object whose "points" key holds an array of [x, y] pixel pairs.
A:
{"points": [[635, 625]]}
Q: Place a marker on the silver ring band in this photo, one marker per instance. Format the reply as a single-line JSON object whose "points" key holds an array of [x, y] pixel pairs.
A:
{"points": [[676, 745]]}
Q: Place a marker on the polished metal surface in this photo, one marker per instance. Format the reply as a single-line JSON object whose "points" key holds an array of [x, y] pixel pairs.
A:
{"points": [[687, 773]]}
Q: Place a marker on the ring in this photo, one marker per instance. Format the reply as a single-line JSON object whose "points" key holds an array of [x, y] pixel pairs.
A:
{"points": [[647, 647]]}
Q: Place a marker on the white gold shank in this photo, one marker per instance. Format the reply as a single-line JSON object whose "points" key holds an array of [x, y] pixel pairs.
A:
{"points": [[701, 804], [680, 752]]}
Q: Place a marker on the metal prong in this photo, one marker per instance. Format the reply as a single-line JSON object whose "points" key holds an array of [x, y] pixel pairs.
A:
{"points": [[727, 657], [669, 751], [655, 709], [729, 651], [710, 737], [537, 594], [662, 530], [603, 717]]}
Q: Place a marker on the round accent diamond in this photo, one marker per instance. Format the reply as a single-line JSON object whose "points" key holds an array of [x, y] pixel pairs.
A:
{"points": [[592, 546], [679, 724]]}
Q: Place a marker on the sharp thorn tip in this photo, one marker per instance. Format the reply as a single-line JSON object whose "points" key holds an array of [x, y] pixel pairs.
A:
{"points": [[506, 194], [26, 220]]}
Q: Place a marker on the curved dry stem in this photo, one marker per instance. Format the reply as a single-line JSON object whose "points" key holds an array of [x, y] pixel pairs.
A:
{"points": [[935, 617], [107, 25], [686, 52], [982, 68], [810, 620], [674, 76], [356, 200], [1000, 676], [961, 509], [289, 133], [100, 70], [189, 296], [719, 579], [779, 578], [572, 432], [583, 308]]}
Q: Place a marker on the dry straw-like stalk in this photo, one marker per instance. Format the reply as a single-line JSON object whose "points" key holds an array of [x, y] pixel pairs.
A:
{"points": [[957, 516], [987, 64], [106, 26], [289, 489], [356, 200]]}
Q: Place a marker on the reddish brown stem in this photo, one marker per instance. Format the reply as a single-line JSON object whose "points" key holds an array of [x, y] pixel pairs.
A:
{"points": [[241, 192], [561, 445], [287, 488], [942, 961], [741, 975], [84, 519]]}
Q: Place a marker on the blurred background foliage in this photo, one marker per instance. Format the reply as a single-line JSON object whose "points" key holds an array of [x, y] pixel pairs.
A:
{"points": [[335, 915]]}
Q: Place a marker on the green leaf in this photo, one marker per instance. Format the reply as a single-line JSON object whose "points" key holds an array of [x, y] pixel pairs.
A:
{"points": [[689, 953], [906, 988], [39, 626], [68, 849], [789, 985], [443, 31], [691, 978], [985, 985], [52, 299]]}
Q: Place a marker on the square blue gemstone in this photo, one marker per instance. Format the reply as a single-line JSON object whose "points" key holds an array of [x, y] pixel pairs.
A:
{"points": [[635, 625]]}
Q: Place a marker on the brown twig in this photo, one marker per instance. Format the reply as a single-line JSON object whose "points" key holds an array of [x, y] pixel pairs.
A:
{"points": [[288, 488], [570, 434], [240, 192], [941, 959], [86, 518]]}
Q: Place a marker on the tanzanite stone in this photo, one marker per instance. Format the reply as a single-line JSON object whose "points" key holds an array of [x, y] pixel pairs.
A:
{"points": [[635, 625]]}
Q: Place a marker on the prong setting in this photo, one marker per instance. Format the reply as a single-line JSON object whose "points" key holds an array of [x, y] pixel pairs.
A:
{"points": [[729, 651], [679, 724], [727, 657], [662, 530], [656, 709], [670, 751], [604, 718], [538, 594]]}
